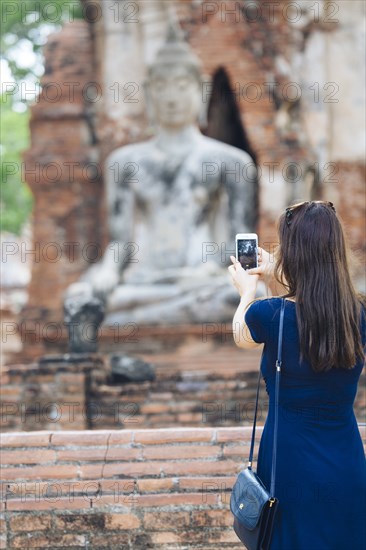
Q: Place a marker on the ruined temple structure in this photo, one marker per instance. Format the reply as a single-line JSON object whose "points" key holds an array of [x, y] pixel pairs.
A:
{"points": [[283, 81], [90, 459]]}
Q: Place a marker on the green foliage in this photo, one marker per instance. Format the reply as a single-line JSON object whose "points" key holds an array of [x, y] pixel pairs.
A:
{"points": [[29, 20], [24, 27], [16, 199]]}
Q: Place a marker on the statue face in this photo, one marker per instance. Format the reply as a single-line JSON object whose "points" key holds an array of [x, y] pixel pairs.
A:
{"points": [[176, 97]]}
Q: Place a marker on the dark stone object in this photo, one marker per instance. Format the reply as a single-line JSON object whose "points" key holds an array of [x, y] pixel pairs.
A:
{"points": [[130, 369], [83, 316]]}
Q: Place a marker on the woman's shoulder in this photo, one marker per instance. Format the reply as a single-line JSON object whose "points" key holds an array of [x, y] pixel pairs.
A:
{"points": [[268, 308], [262, 317], [263, 306], [260, 303], [272, 302]]}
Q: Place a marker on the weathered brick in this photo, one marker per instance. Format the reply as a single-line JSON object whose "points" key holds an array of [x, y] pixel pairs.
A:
{"points": [[110, 540], [126, 469], [211, 518], [190, 418], [76, 522], [159, 421], [208, 467], [4, 378], [40, 472], [28, 523], [34, 456], [227, 536], [168, 468], [198, 537], [165, 396], [2, 524], [70, 379], [165, 537], [240, 450], [154, 408], [204, 483], [176, 499], [224, 435], [162, 521], [10, 393], [67, 503], [123, 453], [81, 455], [99, 437], [173, 435], [25, 439], [116, 487], [51, 541], [51, 490], [122, 521], [155, 485], [179, 452]]}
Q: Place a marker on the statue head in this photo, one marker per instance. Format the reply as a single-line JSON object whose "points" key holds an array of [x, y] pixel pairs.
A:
{"points": [[174, 82]]}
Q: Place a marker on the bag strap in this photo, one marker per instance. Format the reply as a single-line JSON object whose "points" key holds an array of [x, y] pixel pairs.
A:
{"points": [[277, 388], [277, 391]]}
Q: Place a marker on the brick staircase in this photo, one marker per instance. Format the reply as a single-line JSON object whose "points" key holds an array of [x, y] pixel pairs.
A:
{"points": [[121, 489], [165, 488]]}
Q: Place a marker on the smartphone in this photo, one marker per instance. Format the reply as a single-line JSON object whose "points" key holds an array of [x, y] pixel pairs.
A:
{"points": [[246, 246]]}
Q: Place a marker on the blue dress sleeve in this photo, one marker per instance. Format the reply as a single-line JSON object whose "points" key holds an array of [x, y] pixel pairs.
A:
{"points": [[256, 320]]}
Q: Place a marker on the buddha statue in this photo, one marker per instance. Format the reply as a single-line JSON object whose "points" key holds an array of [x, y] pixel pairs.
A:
{"points": [[175, 203]]}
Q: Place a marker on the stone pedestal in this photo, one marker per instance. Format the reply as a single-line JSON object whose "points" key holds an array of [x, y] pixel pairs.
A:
{"points": [[51, 394]]}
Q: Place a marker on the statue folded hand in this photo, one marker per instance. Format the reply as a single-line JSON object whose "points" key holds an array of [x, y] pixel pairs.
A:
{"points": [[102, 279]]}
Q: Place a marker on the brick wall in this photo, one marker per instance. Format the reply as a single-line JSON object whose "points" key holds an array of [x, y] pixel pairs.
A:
{"points": [[49, 394], [73, 393], [121, 489], [166, 489], [64, 392]]}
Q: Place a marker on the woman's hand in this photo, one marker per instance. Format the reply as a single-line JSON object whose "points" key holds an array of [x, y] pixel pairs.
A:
{"points": [[244, 281], [266, 264], [265, 271]]}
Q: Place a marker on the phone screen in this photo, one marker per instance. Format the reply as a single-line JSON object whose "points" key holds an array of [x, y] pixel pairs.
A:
{"points": [[247, 253]]}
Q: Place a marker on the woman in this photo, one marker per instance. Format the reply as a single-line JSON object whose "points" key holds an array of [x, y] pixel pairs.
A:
{"points": [[321, 468]]}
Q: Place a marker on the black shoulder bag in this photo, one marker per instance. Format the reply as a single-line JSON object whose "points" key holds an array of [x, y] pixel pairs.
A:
{"points": [[254, 508]]}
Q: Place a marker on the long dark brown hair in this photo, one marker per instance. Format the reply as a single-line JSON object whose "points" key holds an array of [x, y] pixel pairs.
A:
{"points": [[313, 263]]}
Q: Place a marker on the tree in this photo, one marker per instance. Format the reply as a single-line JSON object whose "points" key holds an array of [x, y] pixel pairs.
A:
{"points": [[16, 198], [25, 25]]}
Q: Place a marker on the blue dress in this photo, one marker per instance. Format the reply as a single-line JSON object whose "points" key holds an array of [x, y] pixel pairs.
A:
{"points": [[321, 467]]}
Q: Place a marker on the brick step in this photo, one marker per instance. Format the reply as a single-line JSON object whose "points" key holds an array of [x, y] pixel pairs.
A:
{"points": [[117, 489], [145, 488]]}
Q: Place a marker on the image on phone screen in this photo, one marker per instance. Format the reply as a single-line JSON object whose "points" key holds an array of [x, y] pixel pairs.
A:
{"points": [[247, 253]]}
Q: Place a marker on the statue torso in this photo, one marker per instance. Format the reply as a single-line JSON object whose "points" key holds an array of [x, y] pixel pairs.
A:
{"points": [[180, 201]]}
